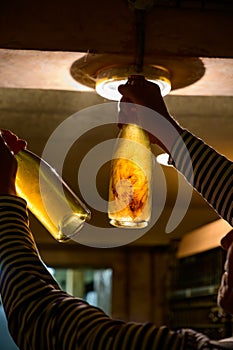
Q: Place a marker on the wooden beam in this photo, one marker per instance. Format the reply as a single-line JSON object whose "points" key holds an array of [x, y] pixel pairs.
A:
{"points": [[109, 27]]}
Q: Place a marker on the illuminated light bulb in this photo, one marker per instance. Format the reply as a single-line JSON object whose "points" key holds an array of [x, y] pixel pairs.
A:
{"points": [[163, 159], [109, 79]]}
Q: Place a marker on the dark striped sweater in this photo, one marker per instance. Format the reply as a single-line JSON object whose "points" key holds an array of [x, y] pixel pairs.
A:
{"points": [[210, 173]]}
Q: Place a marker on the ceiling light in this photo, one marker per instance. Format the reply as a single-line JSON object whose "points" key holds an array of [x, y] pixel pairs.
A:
{"points": [[163, 159], [109, 78]]}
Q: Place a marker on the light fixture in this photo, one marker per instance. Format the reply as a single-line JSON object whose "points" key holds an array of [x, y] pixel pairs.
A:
{"points": [[163, 159], [105, 72], [109, 78]]}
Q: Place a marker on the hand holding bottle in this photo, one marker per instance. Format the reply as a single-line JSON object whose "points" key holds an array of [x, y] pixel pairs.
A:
{"points": [[144, 93], [48, 197], [10, 144]]}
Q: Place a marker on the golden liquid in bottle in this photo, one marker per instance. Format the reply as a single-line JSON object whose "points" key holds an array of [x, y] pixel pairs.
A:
{"points": [[49, 198], [130, 179]]}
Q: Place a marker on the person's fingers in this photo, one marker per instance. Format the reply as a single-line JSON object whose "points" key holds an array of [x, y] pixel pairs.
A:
{"points": [[8, 168], [227, 240], [130, 93], [135, 91], [122, 89], [3, 143], [21, 144], [137, 94], [4, 147], [14, 143], [7, 155]]}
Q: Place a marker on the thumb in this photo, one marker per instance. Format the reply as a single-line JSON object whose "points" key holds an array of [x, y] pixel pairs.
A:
{"points": [[13, 142], [125, 91]]}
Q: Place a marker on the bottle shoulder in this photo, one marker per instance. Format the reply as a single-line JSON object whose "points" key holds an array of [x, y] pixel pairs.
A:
{"points": [[135, 133]]}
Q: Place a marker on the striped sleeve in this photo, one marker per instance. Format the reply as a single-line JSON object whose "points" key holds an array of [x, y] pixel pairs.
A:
{"points": [[209, 172], [42, 316]]}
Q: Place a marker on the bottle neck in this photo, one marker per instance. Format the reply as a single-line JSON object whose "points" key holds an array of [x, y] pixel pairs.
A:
{"points": [[134, 132]]}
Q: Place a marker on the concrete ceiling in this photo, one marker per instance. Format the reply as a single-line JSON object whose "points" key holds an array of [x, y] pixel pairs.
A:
{"points": [[40, 42]]}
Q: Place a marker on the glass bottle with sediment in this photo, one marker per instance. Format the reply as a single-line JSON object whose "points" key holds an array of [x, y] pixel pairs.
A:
{"points": [[49, 198], [130, 192]]}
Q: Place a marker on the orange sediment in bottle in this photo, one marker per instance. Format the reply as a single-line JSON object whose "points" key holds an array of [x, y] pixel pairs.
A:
{"points": [[129, 189]]}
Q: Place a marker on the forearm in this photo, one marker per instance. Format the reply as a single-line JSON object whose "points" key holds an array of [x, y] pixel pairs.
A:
{"points": [[210, 173], [23, 277], [17, 245]]}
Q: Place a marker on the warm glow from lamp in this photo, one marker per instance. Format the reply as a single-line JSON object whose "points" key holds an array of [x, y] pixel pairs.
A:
{"points": [[109, 79], [163, 159]]}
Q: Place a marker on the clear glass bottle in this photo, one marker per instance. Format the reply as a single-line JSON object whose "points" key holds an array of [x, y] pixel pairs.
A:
{"points": [[130, 193], [49, 198]]}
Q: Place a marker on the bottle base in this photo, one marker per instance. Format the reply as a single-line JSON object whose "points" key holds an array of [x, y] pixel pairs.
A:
{"points": [[128, 224], [70, 226]]}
